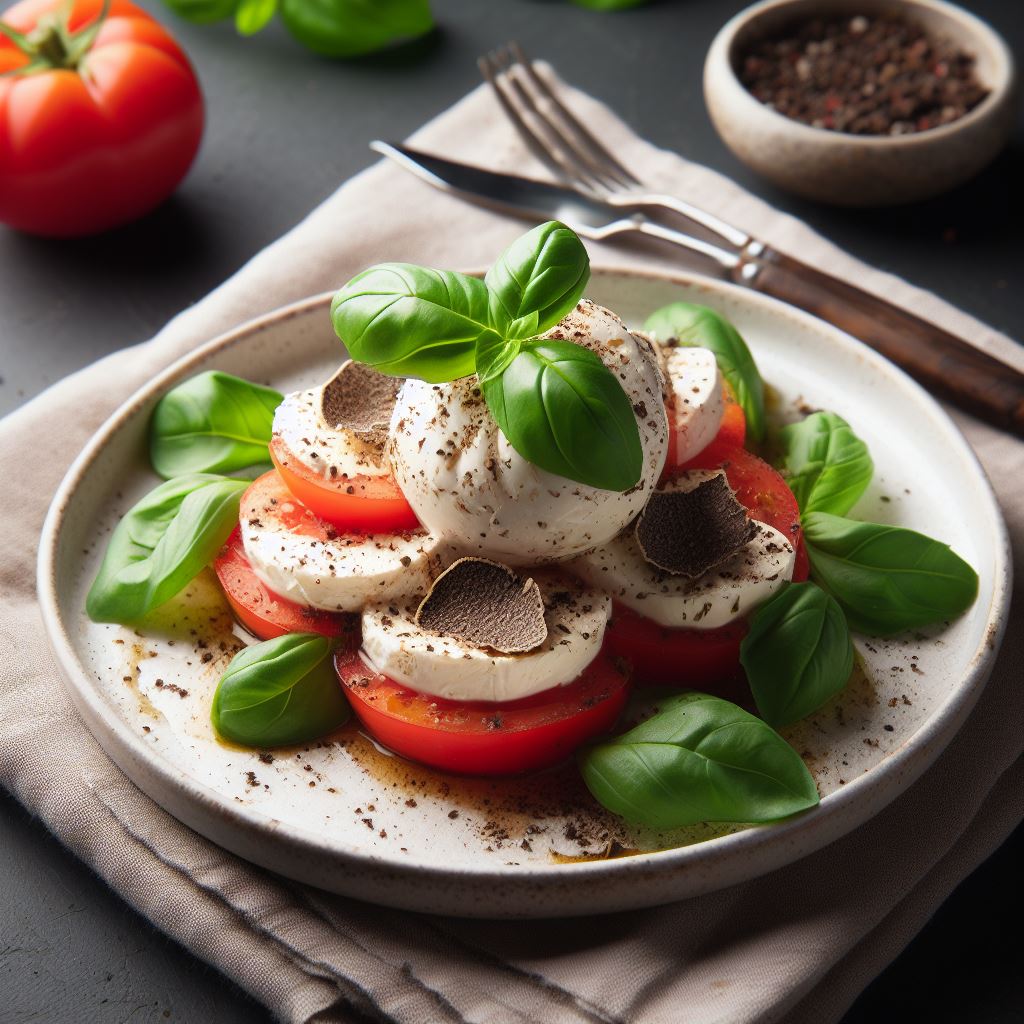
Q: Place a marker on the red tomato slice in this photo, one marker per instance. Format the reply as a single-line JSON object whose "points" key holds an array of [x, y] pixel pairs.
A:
{"points": [[732, 433], [478, 738], [662, 656], [371, 503], [698, 657], [265, 613]]}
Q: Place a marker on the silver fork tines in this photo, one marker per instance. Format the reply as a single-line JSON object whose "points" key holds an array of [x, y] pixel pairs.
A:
{"points": [[569, 149]]}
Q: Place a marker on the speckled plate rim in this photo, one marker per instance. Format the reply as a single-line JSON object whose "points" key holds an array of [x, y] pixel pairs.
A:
{"points": [[644, 879]]}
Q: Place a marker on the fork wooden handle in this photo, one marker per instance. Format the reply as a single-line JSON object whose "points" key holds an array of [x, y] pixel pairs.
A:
{"points": [[946, 365]]}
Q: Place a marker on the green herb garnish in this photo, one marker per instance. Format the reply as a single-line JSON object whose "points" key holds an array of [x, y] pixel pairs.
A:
{"points": [[559, 406], [212, 423], [887, 579], [162, 543], [280, 692], [829, 466], [798, 653], [698, 759]]}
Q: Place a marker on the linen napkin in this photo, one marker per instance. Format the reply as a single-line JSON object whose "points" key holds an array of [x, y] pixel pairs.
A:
{"points": [[797, 945]]}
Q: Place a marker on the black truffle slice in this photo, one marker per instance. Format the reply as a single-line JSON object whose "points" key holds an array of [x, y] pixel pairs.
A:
{"points": [[687, 533], [486, 604], [360, 399]]}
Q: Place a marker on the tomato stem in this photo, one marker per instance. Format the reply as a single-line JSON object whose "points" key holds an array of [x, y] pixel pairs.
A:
{"points": [[50, 44], [18, 38]]}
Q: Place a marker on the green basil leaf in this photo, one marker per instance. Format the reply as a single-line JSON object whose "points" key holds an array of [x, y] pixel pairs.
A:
{"points": [[410, 321], [797, 654], [280, 692], [698, 759], [162, 544], [253, 15], [563, 410], [212, 423], [349, 28], [202, 12], [830, 467], [887, 579], [494, 355], [537, 280], [702, 326]]}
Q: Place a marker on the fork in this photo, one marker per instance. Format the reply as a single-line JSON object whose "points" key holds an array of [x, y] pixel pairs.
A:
{"points": [[948, 365], [571, 151]]}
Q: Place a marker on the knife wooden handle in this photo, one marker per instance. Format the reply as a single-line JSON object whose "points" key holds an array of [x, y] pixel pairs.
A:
{"points": [[946, 365]]}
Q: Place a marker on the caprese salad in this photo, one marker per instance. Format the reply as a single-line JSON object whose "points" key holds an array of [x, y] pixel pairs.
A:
{"points": [[503, 513]]}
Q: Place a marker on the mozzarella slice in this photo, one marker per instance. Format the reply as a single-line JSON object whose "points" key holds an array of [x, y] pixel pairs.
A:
{"points": [[466, 483], [696, 402], [720, 596], [332, 454], [303, 559], [576, 616]]}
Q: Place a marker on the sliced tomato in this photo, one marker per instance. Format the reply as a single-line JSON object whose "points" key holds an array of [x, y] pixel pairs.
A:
{"points": [[690, 657], [371, 503], [265, 613], [478, 738], [662, 656]]}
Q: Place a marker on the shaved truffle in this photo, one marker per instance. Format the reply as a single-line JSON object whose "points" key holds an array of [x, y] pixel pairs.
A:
{"points": [[360, 399], [689, 532], [486, 604]]}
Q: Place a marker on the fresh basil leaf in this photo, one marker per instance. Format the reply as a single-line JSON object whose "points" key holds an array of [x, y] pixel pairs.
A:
{"points": [[563, 410], [494, 355], [701, 326], [410, 321], [252, 15], [797, 654], [537, 280], [202, 12], [829, 466], [162, 544], [280, 692], [886, 578], [698, 759], [349, 28], [212, 423]]}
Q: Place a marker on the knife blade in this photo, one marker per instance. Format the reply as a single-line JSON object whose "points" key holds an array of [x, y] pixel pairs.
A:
{"points": [[530, 199]]}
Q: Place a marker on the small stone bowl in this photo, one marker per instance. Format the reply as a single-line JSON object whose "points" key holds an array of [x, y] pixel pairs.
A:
{"points": [[860, 170]]}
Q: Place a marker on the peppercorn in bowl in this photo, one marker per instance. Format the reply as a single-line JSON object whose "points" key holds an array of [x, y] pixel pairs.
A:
{"points": [[861, 102]]}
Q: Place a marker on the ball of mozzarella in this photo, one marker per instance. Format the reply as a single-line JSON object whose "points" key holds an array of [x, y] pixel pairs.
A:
{"points": [[468, 485]]}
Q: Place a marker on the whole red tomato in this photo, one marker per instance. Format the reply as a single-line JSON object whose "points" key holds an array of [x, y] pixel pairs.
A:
{"points": [[94, 132]]}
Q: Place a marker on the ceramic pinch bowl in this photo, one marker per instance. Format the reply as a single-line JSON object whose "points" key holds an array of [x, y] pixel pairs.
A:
{"points": [[860, 170]]}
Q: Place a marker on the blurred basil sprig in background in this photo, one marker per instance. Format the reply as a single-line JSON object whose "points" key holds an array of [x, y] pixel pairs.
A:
{"points": [[337, 28]]}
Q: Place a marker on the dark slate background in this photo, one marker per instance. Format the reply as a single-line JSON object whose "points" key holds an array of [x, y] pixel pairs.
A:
{"points": [[285, 128]]}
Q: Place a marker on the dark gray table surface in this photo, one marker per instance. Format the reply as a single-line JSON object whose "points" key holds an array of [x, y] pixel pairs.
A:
{"points": [[285, 127]]}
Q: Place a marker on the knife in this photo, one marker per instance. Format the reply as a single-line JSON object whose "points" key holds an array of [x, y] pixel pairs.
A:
{"points": [[945, 364]]}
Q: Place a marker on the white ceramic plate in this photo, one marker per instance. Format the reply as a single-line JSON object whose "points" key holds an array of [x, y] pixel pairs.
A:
{"points": [[343, 815]]}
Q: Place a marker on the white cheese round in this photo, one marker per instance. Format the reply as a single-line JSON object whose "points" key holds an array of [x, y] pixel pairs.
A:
{"points": [[332, 454], [303, 559], [466, 483], [576, 616], [723, 594], [696, 402]]}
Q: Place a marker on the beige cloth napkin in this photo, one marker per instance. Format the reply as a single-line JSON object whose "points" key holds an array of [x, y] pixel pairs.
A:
{"points": [[797, 945]]}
